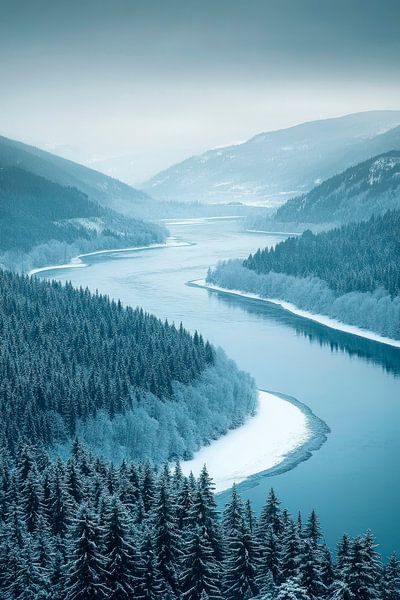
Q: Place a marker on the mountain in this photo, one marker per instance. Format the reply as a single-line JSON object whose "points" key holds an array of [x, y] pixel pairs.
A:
{"points": [[370, 187], [273, 166], [97, 186], [41, 220]]}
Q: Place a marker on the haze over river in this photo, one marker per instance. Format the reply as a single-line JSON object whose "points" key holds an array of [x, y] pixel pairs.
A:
{"points": [[353, 384]]}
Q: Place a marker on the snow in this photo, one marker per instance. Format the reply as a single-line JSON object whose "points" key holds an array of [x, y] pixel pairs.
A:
{"points": [[322, 319], [77, 262], [265, 440]]}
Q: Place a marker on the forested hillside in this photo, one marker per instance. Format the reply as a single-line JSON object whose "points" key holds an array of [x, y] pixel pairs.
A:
{"points": [[86, 529], [356, 257], [371, 187], [101, 188], [73, 362], [40, 219], [351, 273]]}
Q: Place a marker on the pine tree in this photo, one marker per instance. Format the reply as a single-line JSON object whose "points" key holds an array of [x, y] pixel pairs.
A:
{"points": [[343, 557], [29, 581], [31, 497], [86, 575], [167, 549], [312, 530], [362, 576], [270, 559], [290, 553], [200, 568], [270, 517], [119, 553], [327, 569], [151, 588], [241, 565], [391, 579], [309, 571]]}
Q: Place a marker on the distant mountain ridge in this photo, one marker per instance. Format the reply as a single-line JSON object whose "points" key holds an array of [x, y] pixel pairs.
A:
{"points": [[273, 166], [100, 188], [371, 187], [42, 221]]}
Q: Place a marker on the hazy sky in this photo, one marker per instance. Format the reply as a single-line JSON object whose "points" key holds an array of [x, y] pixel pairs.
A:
{"points": [[150, 82]]}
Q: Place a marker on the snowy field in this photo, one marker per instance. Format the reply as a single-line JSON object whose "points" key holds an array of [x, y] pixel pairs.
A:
{"points": [[77, 261], [322, 319], [278, 429]]}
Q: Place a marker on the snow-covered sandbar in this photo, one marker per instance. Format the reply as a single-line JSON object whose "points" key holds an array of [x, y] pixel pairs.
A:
{"points": [[281, 434], [77, 261], [322, 319]]}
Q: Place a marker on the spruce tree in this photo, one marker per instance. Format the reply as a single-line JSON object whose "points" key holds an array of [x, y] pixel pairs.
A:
{"points": [[167, 542], [309, 571], [391, 579], [290, 552], [200, 572], [86, 575], [151, 588], [312, 530], [240, 580], [119, 553]]}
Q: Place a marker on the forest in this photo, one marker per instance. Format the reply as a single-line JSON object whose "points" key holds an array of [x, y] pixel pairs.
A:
{"points": [[351, 274], [76, 361], [370, 187], [40, 219], [356, 257], [86, 529]]}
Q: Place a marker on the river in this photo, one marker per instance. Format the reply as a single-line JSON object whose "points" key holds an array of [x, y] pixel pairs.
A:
{"points": [[351, 383]]}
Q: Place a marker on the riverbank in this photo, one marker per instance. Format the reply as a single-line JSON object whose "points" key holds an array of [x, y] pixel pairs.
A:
{"points": [[77, 261], [283, 433], [321, 319]]}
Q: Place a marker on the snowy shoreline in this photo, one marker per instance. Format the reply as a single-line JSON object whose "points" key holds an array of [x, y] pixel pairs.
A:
{"points": [[283, 433], [321, 319], [77, 261]]}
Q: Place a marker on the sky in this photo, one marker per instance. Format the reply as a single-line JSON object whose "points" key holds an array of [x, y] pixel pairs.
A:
{"points": [[132, 86]]}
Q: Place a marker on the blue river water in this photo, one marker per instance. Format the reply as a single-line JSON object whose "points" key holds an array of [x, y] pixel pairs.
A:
{"points": [[351, 383]]}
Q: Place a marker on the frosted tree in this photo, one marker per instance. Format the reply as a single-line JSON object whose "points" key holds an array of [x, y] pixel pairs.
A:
{"points": [[86, 575], [391, 579], [309, 571], [119, 553], [312, 529], [240, 581], [200, 572], [166, 538]]}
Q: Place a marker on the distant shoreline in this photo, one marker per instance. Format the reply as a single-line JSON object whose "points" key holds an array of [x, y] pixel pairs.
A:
{"points": [[77, 261], [321, 319]]}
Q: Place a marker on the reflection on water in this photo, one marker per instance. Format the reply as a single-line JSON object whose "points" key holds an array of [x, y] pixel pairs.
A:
{"points": [[388, 357]]}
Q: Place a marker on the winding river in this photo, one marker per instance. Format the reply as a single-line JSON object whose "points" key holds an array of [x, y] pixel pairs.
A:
{"points": [[353, 384]]}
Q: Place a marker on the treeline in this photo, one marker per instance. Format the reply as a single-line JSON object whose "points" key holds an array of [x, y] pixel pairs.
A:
{"points": [[35, 212], [85, 529], [375, 311], [359, 257], [69, 358]]}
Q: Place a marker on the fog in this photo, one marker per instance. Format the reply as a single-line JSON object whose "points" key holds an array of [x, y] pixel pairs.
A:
{"points": [[133, 86]]}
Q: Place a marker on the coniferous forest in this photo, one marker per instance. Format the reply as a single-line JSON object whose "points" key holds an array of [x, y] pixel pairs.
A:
{"points": [[76, 362], [357, 257], [351, 273], [85, 529]]}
